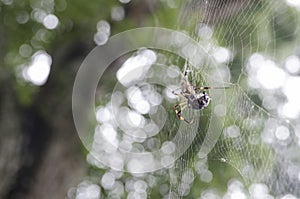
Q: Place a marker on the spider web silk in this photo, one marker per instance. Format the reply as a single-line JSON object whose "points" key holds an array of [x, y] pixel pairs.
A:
{"points": [[240, 146], [250, 141]]}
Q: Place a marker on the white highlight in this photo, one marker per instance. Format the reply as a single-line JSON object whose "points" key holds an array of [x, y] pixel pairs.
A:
{"points": [[221, 55], [135, 68], [124, 1], [108, 180], [38, 71], [50, 21], [108, 132], [292, 108], [292, 64], [205, 32], [103, 32], [282, 133], [88, 190], [293, 3], [238, 195], [135, 118], [270, 76]]}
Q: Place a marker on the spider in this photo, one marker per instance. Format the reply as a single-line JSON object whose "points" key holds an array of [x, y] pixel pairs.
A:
{"points": [[191, 96]]}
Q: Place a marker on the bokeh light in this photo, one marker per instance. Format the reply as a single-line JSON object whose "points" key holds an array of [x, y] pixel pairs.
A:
{"points": [[39, 69]]}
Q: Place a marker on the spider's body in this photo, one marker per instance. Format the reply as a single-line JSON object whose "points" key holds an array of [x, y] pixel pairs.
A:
{"points": [[198, 101], [191, 97]]}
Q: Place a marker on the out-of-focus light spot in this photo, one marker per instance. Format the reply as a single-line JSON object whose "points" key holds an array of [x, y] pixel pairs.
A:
{"points": [[289, 110], [274, 81], [238, 195], [168, 92], [108, 180], [38, 71], [137, 101], [232, 131], [135, 68], [108, 132], [282, 133], [134, 118], [116, 161], [38, 15], [270, 102], [188, 176], [292, 108], [183, 189], [125, 145], [134, 195], [235, 185], [88, 190], [50, 21], [258, 190], [294, 3], [140, 186], [256, 61], [117, 99], [204, 31], [201, 166], [292, 64], [141, 164], [103, 115], [103, 26], [103, 32], [124, 1], [206, 176], [22, 17], [155, 98], [100, 38], [210, 194], [168, 147], [118, 191], [289, 196], [290, 89], [143, 107], [151, 129], [117, 13], [25, 50], [43, 35], [221, 55], [163, 189], [134, 95]]}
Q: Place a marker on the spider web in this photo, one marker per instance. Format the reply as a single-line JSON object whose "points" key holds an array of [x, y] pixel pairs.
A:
{"points": [[250, 151], [248, 141]]}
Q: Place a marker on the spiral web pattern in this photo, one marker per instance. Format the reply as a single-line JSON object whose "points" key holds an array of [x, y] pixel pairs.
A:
{"points": [[238, 139], [252, 139]]}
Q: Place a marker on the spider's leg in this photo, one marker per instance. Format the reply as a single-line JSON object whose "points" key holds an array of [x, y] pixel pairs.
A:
{"points": [[178, 108], [181, 96], [186, 83], [202, 88]]}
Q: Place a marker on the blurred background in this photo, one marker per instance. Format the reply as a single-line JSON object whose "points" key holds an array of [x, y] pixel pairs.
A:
{"points": [[254, 45]]}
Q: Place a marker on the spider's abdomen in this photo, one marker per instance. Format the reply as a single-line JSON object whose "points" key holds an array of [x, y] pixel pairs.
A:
{"points": [[198, 102]]}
